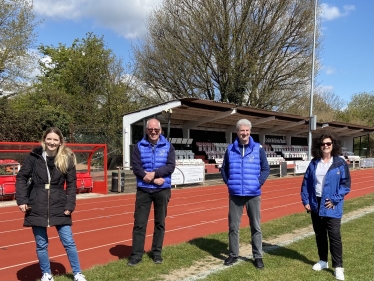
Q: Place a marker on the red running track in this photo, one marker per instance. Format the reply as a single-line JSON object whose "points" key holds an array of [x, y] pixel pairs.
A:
{"points": [[103, 225]]}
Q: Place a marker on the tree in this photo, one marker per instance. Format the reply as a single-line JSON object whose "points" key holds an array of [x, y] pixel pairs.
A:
{"points": [[17, 23], [360, 109], [326, 105], [90, 80], [25, 116], [255, 53]]}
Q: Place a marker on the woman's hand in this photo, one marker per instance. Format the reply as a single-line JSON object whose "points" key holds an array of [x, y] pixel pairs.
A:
{"points": [[328, 204], [24, 208], [67, 212], [307, 208]]}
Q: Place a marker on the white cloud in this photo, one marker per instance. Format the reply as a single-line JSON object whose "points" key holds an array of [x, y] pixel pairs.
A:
{"points": [[331, 12], [125, 17], [329, 70]]}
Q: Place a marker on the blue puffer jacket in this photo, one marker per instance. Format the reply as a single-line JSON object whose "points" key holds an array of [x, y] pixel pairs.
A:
{"points": [[152, 159], [337, 184], [243, 172]]}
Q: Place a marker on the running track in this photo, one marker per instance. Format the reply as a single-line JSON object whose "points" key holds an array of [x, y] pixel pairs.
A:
{"points": [[103, 225]]}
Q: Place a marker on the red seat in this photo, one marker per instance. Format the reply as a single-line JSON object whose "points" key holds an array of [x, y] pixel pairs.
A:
{"points": [[7, 179], [84, 182], [8, 190], [79, 181], [8, 187], [79, 184], [88, 184]]}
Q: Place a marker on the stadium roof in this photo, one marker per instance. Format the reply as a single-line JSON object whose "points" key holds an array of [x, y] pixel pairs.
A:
{"points": [[198, 114]]}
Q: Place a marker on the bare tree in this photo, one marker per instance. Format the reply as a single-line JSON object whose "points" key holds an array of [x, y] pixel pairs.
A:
{"points": [[17, 23], [256, 53], [326, 105]]}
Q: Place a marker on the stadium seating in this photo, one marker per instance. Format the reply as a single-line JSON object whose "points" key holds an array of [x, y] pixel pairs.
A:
{"points": [[7, 187], [84, 182]]}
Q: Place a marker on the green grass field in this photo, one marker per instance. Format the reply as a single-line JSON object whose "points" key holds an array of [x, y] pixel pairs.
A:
{"points": [[288, 262]]}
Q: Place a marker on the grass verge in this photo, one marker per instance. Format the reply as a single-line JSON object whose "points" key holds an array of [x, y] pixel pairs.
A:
{"points": [[295, 261], [292, 262]]}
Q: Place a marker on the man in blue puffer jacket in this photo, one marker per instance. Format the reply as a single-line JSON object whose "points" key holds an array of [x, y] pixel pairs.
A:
{"points": [[244, 170], [153, 162]]}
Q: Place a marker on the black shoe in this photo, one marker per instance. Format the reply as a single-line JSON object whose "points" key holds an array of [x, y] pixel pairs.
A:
{"points": [[134, 261], [230, 260], [259, 264], [157, 259]]}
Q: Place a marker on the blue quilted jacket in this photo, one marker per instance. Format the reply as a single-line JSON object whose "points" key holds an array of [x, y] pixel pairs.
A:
{"points": [[153, 159], [245, 168], [337, 184]]}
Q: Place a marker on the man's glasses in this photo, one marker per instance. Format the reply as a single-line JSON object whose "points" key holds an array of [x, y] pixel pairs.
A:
{"points": [[150, 130], [326, 143]]}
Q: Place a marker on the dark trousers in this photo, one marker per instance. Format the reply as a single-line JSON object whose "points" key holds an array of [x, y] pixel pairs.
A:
{"points": [[328, 230], [143, 205]]}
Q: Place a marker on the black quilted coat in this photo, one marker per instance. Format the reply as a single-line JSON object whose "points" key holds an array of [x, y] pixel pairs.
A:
{"points": [[47, 205]]}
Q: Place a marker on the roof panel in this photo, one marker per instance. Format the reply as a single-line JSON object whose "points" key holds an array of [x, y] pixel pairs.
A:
{"points": [[208, 114]]}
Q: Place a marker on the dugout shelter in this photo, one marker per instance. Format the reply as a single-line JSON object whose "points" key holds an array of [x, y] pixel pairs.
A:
{"points": [[91, 167]]}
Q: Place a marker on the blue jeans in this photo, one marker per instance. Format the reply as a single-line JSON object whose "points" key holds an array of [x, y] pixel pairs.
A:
{"points": [[66, 237]]}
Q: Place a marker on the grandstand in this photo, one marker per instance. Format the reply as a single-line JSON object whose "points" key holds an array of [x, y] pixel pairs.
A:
{"points": [[202, 129]]}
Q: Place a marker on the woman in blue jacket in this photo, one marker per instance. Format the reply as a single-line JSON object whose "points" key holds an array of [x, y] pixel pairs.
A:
{"points": [[326, 182]]}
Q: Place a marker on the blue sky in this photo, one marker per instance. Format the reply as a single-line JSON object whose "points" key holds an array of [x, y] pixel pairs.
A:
{"points": [[347, 56]]}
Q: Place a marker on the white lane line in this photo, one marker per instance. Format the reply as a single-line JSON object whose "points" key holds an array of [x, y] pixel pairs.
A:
{"points": [[105, 245], [99, 229], [180, 214]]}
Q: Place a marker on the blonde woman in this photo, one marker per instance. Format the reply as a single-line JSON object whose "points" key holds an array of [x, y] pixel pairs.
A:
{"points": [[49, 204]]}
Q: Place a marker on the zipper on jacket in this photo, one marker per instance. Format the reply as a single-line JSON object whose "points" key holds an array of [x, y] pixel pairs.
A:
{"points": [[49, 192]]}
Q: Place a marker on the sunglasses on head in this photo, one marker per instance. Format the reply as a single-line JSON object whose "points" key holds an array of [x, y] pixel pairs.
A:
{"points": [[153, 129], [326, 143]]}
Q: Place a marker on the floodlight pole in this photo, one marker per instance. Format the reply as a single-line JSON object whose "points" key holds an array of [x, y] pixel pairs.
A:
{"points": [[312, 82]]}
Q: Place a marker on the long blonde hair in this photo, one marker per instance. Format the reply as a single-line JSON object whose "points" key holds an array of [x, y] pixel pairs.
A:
{"points": [[64, 154]]}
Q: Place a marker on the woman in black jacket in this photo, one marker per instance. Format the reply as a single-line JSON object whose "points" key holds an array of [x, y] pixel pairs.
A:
{"points": [[52, 165]]}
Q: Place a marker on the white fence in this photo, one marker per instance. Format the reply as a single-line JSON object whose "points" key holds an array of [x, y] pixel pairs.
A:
{"points": [[367, 162]]}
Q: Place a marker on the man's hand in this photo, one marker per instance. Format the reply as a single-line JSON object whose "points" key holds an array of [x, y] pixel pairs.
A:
{"points": [[159, 181], [149, 176]]}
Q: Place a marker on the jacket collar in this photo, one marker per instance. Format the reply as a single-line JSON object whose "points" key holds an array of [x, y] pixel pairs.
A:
{"points": [[38, 151]]}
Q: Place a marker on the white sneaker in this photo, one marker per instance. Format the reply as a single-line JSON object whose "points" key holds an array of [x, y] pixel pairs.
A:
{"points": [[79, 277], [339, 273], [320, 265], [47, 277]]}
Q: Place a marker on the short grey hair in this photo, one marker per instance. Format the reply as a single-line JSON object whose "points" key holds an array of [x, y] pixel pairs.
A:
{"points": [[159, 124], [243, 122]]}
